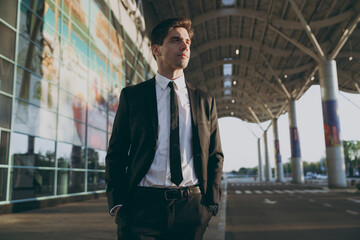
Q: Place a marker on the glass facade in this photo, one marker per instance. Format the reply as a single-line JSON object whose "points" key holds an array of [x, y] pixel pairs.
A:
{"points": [[63, 64]]}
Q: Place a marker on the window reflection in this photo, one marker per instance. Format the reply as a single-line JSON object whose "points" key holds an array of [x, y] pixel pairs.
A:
{"points": [[70, 156], [73, 106], [31, 183], [8, 12], [6, 76], [36, 90], [34, 120], [70, 182], [98, 88], [3, 181], [96, 159], [7, 38], [32, 151], [96, 138], [4, 147], [71, 131], [96, 181], [5, 110]]}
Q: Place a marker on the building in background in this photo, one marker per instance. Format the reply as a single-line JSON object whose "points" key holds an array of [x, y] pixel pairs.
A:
{"points": [[63, 64]]}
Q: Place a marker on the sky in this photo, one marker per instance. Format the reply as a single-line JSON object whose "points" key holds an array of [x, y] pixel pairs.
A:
{"points": [[240, 145]]}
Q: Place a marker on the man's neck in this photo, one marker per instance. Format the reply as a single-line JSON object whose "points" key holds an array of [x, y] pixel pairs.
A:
{"points": [[171, 74]]}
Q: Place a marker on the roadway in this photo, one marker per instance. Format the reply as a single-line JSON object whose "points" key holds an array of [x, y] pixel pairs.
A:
{"points": [[249, 210], [287, 211]]}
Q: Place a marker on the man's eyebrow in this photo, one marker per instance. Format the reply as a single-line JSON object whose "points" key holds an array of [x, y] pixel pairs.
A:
{"points": [[178, 37]]}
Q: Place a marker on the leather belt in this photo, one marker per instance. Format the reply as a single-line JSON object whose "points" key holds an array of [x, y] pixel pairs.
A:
{"points": [[168, 193]]}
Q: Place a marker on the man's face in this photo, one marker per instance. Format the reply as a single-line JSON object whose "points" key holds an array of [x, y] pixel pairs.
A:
{"points": [[174, 53]]}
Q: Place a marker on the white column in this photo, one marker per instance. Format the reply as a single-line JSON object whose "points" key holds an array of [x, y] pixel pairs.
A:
{"points": [[267, 162], [296, 162], [260, 168], [333, 143], [279, 166]]}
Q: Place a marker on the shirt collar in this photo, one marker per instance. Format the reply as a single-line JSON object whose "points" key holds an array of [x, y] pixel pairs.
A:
{"points": [[164, 81]]}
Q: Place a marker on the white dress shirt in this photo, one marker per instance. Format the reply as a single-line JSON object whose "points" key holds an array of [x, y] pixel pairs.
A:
{"points": [[159, 172]]}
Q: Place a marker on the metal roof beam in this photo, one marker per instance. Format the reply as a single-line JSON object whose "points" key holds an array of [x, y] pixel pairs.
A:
{"points": [[308, 81], [308, 30], [277, 77], [244, 63], [296, 43], [263, 15], [282, 108], [347, 33]]}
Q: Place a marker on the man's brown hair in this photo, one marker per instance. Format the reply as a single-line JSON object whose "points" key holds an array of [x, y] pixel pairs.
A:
{"points": [[161, 30]]}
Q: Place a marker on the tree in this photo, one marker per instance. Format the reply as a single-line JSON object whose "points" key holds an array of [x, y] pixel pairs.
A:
{"points": [[352, 157]]}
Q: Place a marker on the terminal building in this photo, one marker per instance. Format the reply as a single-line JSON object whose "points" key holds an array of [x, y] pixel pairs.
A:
{"points": [[63, 64]]}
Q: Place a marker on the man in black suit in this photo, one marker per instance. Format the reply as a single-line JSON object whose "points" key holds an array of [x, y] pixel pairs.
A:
{"points": [[164, 162]]}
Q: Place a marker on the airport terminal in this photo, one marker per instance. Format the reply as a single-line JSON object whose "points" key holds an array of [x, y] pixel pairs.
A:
{"points": [[64, 63]]}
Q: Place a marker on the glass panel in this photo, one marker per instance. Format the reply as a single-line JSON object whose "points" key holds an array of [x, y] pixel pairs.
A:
{"points": [[3, 183], [70, 182], [97, 118], [8, 12], [96, 181], [71, 131], [96, 159], [129, 56], [98, 88], [36, 90], [7, 39], [78, 10], [99, 29], [6, 76], [4, 147], [30, 25], [36, 6], [31, 183], [32, 151], [52, 17], [5, 110], [70, 156], [96, 138], [34, 120], [44, 35], [29, 55], [130, 72], [73, 79], [73, 106], [110, 123]]}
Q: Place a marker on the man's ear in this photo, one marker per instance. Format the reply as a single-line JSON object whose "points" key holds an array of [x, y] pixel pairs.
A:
{"points": [[155, 50]]}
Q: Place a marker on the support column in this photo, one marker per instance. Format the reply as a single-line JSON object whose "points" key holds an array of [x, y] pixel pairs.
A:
{"points": [[279, 166], [267, 162], [333, 142], [260, 168], [296, 162]]}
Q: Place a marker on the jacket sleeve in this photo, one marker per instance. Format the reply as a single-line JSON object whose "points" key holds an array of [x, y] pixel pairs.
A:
{"points": [[116, 176], [216, 158]]}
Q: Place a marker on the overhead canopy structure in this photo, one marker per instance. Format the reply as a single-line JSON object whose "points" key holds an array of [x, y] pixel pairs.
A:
{"points": [[256, 55]]}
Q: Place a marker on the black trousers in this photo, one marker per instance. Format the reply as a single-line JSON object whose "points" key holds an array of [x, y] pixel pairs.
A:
{"points": [[151, 216]]}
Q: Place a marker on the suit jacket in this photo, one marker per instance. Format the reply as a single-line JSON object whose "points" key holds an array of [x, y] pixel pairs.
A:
{"points": [[134, 137]]}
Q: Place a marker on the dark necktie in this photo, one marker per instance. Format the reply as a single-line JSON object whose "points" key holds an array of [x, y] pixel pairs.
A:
{"points": [[175, 157]]}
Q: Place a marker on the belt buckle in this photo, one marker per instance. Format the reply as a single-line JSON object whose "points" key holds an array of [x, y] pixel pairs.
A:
{"points": [[175, 191]]}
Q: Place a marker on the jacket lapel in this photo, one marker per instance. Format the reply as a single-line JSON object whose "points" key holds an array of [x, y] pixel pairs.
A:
{"points": [[152, 105], [194, 99]]}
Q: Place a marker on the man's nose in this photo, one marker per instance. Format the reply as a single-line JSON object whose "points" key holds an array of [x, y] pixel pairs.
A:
{"points": [[184, 45]]}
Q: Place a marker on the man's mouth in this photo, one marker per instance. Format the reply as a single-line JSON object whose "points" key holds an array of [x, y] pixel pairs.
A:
{"points": [[183, 55]]}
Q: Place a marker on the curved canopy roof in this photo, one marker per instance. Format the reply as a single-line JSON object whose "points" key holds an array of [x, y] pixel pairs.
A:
{"points": [[256, 55]]}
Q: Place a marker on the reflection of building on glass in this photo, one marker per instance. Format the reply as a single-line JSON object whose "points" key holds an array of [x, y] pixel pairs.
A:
{"points": [[28, 183], [68, 63]]}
